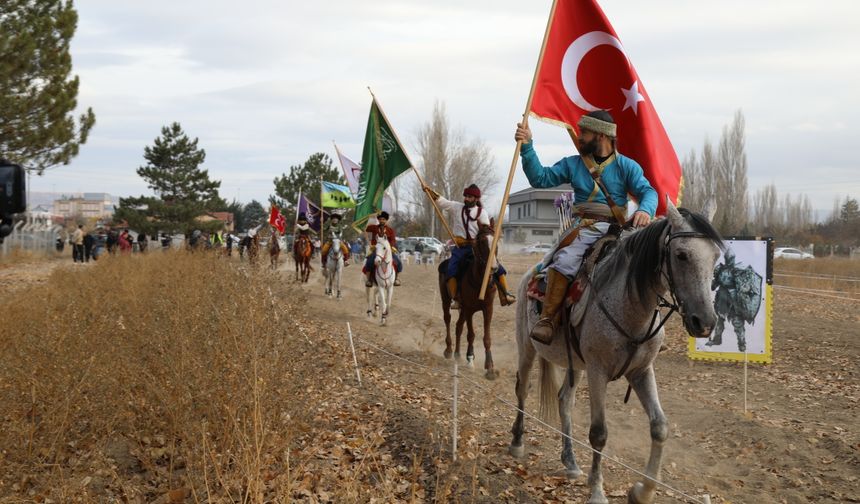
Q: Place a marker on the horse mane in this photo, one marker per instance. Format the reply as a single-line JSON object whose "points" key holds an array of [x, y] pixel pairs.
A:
{"points": [[644, 251]]}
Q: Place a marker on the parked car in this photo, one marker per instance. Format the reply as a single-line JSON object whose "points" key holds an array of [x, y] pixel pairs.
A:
{"points": [[791, 253], [406, 245], [431, 244], [536, 248]]}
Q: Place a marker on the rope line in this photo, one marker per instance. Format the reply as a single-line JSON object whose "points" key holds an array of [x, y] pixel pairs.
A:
{"points": [[533, 417], [822, 277], [818, 290], [813, 293]]}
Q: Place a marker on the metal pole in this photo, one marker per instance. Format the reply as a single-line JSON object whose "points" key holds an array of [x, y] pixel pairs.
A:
{"points": [[354, 359], [454, 448], [746, 360]]}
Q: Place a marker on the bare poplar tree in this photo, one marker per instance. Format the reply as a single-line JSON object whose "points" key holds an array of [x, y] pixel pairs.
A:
{"points": [[731, 178], [449, 163]]}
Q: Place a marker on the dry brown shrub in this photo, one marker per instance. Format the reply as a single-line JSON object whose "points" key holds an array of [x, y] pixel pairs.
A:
{"points": [[144, 378]]}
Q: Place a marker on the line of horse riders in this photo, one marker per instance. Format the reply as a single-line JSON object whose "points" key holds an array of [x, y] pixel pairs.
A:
{"points": [[667, 263]]}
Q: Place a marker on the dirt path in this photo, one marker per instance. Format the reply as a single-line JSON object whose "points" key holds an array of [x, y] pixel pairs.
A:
{"points": [[797, 443]]}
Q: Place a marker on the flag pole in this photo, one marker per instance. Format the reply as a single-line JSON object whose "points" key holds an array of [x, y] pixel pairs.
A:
{"points": [[412, 165], [501, 217], [298, 202], [322, 218]]}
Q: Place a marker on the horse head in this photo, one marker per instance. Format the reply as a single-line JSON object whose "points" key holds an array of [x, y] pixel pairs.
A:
{"points": [[335, 251], [383, 250], [675, 255], [482, 245]]}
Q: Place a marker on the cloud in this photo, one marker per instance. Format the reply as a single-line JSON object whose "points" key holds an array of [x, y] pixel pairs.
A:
{"points": [[265, 83]]}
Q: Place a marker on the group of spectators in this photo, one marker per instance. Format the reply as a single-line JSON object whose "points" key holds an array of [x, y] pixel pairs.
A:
{"points": [[91, 245]]}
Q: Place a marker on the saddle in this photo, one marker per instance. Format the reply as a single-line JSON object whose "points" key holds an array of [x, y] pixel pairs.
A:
{"points": [[579, 289]]}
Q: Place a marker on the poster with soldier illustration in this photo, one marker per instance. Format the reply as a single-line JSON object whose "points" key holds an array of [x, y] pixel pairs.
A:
{"points": [[742, 291]]}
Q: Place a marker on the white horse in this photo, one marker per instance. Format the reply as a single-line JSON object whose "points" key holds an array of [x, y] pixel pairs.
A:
{"points": [[615, 332], [334, 267], [380, 295]]}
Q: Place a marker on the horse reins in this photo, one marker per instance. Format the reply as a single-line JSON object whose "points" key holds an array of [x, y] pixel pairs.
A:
{"points": [[633, 344]]}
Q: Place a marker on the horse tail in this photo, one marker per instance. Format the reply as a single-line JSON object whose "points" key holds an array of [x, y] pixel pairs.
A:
{"points": [[550, 384]]}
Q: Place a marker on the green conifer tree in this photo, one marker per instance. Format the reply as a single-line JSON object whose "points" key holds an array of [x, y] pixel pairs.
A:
{"points": [[37, 94], [183, 191]]}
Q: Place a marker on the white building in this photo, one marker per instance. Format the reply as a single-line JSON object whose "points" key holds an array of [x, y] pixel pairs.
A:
{"points": [[90, 205]]}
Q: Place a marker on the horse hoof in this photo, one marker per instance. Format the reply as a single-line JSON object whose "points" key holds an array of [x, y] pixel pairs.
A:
{"points": [[457, 355], [383, 321], [517, 451], [598, 499], [639, 495], [470, 360], [448, 353], [491, 374], [573, 473]]}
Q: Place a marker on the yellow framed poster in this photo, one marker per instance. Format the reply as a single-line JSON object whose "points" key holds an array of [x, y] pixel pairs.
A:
{"points": [[742, 292]]}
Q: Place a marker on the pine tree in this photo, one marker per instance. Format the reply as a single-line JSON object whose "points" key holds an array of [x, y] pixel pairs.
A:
{"points": [[304, 178], [183, 191], [254, 214], [37, 94]]}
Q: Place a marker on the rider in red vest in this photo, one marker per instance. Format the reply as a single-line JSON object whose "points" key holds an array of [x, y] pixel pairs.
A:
{"points": [[373, 231]]}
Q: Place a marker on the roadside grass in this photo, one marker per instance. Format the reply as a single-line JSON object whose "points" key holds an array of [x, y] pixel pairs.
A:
{"points": [[835, 274], [161, 378]]}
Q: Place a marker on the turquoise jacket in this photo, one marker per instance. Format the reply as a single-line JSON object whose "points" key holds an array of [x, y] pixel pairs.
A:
{"points": [[620, 177]]}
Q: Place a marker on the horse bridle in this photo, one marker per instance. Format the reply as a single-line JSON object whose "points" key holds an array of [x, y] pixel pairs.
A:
{"points": [[674, 306]]}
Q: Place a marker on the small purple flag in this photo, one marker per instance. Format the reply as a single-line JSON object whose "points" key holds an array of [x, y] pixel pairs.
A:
{"points": [[311, 211]]}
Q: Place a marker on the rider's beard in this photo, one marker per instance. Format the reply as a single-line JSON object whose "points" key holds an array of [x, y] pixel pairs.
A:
{"points": [[587, 148], [470, 204]]}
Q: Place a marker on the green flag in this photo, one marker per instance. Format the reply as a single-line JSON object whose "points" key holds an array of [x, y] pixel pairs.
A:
{"points": [[336, 196], [382, 160]]}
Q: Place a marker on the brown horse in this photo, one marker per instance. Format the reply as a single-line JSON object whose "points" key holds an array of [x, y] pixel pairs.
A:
{"points": [[274, 250], [470, 287], [302, 250]]}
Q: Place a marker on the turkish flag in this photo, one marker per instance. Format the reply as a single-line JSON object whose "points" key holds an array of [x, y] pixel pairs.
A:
{"points": [[277, 219], [585, 68]]}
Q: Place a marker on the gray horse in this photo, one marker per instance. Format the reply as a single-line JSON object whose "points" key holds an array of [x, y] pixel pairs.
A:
{"points": [[334, 267], [615, 331]]}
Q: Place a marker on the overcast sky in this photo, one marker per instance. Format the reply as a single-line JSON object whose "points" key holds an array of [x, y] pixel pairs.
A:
{"points": [[263, 83]]}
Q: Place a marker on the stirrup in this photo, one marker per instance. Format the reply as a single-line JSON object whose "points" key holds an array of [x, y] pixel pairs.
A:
{"points": [[368, 283], [509, 299], [544, 321], [397, 282]]}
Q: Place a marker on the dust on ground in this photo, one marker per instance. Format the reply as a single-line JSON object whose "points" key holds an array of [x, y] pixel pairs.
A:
{"points": [[798, 441]]}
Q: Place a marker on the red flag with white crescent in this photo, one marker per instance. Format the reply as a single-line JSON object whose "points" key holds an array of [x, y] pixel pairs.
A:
{"points": [[585, 68], [277, 219]]}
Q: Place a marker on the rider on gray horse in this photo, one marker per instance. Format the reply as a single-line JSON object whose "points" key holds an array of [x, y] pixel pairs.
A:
{"points": [[618, 174], [334, 228]]}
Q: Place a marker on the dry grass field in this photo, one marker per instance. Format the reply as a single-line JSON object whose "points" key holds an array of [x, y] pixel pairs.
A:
{"points": [[179, 377]]}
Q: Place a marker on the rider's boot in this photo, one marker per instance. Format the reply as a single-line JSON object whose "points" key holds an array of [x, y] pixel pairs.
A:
{"points": [[505, 296], [345, 250], [452, 293], [397, 279], [556, 288], [368, 281]]}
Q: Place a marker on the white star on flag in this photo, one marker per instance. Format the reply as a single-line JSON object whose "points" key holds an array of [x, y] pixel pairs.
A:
{"points": [[632, 97]]}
